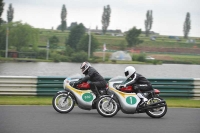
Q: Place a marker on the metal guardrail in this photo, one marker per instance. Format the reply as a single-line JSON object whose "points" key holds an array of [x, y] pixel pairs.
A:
{"points": [[43, 86], [18, 85]]}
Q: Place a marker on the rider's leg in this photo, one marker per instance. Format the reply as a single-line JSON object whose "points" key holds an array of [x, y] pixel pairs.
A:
{"points": [[94, 89], [140, 95], [138, 89]]}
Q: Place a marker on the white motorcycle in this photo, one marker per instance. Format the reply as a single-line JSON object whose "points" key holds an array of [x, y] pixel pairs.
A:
{"points": [[64, 101], [128, 102]]}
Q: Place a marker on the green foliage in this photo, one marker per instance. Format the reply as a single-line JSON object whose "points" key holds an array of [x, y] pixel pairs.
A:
{"points": [[41, 54], [63, 25], [10, 13], [63, 18], [122, 45], [53, 42], [2, 37], [22, 35], [2, 53], [105, 18], [75, 35], [57, 57], [132, 37], [114, 61], [79, 56], [148, 22], [68, 51], [83, 44], [1, 9], [139, 57], [187, 25]]}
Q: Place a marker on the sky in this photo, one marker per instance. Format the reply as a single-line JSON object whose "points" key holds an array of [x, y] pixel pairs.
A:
{"points": [[168, 15]]}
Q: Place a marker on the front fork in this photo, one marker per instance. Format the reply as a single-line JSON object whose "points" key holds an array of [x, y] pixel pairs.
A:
{"points": [[66, 97], [110, 100]]}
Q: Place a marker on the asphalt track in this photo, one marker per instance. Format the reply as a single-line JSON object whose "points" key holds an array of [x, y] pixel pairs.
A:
{"points": [[44, 119]]}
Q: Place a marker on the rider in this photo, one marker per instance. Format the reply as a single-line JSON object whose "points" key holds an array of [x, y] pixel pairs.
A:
{"points": [[139, 83], [97, 81]]}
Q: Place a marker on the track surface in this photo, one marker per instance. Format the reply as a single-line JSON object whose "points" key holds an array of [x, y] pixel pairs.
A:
{"points": [[44, 119]]}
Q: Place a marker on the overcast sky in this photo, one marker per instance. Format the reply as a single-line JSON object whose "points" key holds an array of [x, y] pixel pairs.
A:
{"points": [[168, 15]]}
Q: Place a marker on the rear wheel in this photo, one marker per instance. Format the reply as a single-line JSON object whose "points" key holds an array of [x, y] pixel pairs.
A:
{"points": [[156, 112], [107, 107], [62, 104]]}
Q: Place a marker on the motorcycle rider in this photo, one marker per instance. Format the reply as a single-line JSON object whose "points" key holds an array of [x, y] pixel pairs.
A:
{"points": [[139, 83], [97, 81]]}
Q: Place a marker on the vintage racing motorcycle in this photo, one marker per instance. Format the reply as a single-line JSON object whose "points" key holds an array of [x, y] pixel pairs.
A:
{"points": [[64, 101], [128, 102]]}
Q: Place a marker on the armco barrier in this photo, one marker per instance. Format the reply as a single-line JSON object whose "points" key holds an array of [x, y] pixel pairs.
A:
{"points": [[31, 85], [18, 85], [49, 85]]}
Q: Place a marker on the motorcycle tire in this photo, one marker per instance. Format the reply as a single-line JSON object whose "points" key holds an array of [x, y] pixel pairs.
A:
{"points": [[61, 104], [105, 109], [156, 112]]}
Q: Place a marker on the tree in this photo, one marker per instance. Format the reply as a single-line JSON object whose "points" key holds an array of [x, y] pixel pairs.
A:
{"points": [[1, 9], [105, 18], [53, 42], [63, 18], [76, 33], [187, 25], [83, 44], [10, 13], [132, 37], [2, 37], [148, 22], [22, 36]]}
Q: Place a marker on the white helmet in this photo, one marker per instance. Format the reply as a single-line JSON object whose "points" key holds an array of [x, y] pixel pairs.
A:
{"points": [[85, 66], [129, 71]]}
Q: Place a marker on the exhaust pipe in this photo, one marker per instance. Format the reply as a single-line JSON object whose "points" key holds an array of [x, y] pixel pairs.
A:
{"points": [[154, 105]]}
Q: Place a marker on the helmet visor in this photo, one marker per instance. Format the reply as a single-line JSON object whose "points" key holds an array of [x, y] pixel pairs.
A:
{"points": [[126, 73]]}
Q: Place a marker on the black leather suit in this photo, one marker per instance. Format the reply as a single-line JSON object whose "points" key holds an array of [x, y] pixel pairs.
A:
{"points": [[97, 81], [139, 83]]}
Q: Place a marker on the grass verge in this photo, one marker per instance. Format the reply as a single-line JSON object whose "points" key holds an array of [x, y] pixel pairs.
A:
{"points": [[46, 100]]}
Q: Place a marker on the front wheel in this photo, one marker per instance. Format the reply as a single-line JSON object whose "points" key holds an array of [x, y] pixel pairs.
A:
{"points": [[107, 107], [63, 103], [156, 112]]}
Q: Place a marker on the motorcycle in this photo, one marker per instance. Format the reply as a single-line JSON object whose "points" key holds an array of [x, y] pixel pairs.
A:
{"points": [[64, 101], [128, 102]]}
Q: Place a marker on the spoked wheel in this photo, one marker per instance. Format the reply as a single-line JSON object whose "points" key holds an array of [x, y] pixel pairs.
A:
{"points": [[63, 103], [156, 112], [107, 107]]}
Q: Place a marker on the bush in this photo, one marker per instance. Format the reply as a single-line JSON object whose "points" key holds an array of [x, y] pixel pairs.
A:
{"points": [[139, 57], [114, 61], [142, 58], [2, 53], [41, 54], [79, 57]]}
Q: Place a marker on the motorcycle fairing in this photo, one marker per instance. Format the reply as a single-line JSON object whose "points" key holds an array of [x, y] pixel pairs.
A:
{"points": [[84, 98], [128, 101]]}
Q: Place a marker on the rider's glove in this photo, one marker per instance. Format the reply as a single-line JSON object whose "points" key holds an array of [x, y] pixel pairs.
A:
{"points": [[75, 84], [118, 87], [79, 81]]}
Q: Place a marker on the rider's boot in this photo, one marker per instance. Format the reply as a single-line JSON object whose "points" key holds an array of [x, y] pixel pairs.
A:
{"points": [[144, 99], [95, 100]]}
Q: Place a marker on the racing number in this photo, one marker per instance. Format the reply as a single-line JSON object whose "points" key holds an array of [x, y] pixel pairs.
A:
{"points": [[131, 100], [88, 97]]}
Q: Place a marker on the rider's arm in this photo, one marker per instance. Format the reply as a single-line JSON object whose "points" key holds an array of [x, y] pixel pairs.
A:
{"points": [[85, 79], [132, 81]]}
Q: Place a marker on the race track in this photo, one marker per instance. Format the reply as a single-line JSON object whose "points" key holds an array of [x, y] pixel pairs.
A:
{"points": [[44, 119]]}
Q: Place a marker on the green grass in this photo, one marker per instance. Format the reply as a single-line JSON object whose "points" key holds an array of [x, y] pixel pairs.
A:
{"points": [[25, 100], [46, 100], [161, 41], [182, 102]]}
